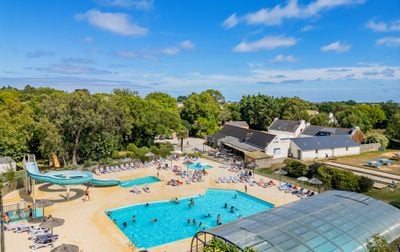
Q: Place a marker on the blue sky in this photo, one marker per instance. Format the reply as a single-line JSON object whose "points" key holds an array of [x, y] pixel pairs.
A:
{"points": [[318, 50]]}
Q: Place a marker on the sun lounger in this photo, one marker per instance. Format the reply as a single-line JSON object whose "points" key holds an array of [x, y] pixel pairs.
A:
{"points": [[146, 189], [44, 241], [135, 190], [261, 182], [218, 180]]}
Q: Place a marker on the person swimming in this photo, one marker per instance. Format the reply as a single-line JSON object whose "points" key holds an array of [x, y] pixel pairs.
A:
{"points": [[134, 218], [188, 221], [194, 221], [200, 224], [225, 205], [207, 215], [232, 209], [235, 197], [124, 224], [147, 204], [154, 220]]}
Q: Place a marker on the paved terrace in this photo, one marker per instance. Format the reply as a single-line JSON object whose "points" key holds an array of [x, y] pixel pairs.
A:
{"points": [[87, 226]]}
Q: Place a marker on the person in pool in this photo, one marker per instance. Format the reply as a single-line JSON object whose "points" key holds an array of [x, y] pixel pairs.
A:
{"points": [[134, 218], [232, 209], [200, 224], [207, 215], [115, 221], [235, 197], [154, 220], [188, 221], [225, 205], [194, 221], [147, 204], [108, 213], [124, 224]]}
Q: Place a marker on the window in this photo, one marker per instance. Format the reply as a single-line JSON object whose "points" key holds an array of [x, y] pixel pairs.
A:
{"points": [[277, 151]]}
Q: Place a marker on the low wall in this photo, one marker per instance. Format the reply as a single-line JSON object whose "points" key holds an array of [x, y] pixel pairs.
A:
{"points": [[267, 163], [369, 147]]}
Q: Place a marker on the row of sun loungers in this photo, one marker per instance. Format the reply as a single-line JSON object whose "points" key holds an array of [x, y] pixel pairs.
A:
{"points": [[41, 237], [228, 179]]}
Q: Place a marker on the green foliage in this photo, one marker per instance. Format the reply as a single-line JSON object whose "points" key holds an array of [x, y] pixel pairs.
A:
{"points": [[377, 138], [259, 110], [351, 117], [163, 99], [374, 112], [234, 111], [380, 244], [393, 130], [365, 184], [321, 119], [217, 245], [295, 109], [201, 111], [295, 168]]}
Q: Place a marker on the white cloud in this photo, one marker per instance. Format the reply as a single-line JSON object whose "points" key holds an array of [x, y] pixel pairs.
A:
{"points": [[88, 39], [382, 26], [119, 23], [187, 44], [137, 4], [389, 41], [231, 21], [307, 28], [72, 69], [283, 58], [171, 50], [336, 47], [277, 14], [265, 43]]}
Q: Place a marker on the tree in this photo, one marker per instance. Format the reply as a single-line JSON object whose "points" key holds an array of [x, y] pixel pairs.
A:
{"points": [[393, 130], [234, 111], [16, 122], [377, 138], [217, 95], [294, 109], [259, 110], [198, 106], [380, 244], [205, 127], [354, 117], [295, 168], [374, 112], [321, 119], [163, 99]]}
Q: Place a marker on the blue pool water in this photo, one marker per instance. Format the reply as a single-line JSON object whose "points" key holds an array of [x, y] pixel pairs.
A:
{"points": [[199, 166], [139, 181], [172, 218]]}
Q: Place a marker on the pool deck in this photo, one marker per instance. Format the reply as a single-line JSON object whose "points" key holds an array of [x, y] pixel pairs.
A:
{"points": [[87, 226]]}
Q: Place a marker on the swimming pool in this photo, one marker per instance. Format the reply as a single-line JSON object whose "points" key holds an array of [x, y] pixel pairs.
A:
{"points": [[172, 218], [199, 166], [139, 181]]}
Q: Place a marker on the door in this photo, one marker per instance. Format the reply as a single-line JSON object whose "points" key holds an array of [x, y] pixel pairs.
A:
{"points": [[299, 154]]}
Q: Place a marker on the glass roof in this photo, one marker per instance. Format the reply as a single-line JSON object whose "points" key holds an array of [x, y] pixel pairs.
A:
{"points": [[330, 221]]}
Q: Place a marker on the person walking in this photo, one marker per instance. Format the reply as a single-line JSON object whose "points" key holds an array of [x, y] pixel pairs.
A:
{"points": [[245, 188], [87, 197]]}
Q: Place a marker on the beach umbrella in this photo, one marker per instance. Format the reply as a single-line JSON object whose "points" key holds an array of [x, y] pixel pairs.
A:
{"points": [[149, 154], [302, 179], [280, 172], [66, 248], [314, 181], [43, 203], [52, 222], [188, 162]]}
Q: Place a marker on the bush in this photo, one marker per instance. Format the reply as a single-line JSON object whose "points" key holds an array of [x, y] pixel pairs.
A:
{"points": [[377, 138], [365, 184], [114, 154], [295, 168]]}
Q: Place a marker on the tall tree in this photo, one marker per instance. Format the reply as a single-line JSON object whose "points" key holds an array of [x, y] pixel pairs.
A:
{"points": [[259, 110]]}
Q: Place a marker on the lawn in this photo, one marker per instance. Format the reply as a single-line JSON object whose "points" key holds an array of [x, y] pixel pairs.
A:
{"points": [[360, 160], [387, 194]]}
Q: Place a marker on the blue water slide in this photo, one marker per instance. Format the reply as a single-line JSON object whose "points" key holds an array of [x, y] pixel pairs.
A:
{"points": [[66, 177]]}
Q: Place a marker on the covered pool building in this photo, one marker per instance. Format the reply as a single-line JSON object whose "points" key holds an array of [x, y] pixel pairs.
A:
{"points": [[330, 221]]}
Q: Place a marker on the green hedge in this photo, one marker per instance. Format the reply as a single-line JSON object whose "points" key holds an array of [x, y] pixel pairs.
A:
{"points": [[330, 177]]}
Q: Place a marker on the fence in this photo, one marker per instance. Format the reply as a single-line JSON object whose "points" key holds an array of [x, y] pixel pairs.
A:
{"points": [[369, 147]]}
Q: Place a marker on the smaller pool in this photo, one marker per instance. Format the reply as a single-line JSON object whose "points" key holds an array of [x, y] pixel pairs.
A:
{"points": [[199, 166], [139, 181]]}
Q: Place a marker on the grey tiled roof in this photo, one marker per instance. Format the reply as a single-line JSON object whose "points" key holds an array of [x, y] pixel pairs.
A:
{"points": [[284, 125], [260, 139], [238, 123], [324, 142], [315, 130]]}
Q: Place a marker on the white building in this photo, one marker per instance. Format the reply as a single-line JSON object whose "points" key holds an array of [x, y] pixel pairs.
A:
{"points": [[308, 148], [7, 164], [287, 128]]}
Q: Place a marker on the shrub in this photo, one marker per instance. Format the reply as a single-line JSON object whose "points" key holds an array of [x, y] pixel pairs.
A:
{"points": [[377, 138], [365, 184], [296, 168], [114, 154]]}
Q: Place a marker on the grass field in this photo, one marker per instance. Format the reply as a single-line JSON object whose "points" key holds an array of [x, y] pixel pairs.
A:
{"points": [[387, 194], [360, 160]]}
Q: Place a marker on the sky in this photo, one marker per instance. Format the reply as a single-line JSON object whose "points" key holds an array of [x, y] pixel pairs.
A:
{"points": [[320, 50]]}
